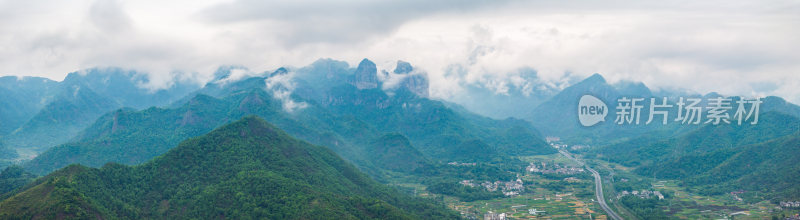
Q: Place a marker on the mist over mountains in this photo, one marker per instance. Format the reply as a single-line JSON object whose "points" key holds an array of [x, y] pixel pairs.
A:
{"points": [[242, 109], [246, 168], [39, 113], [366, 125], [49, 112]]}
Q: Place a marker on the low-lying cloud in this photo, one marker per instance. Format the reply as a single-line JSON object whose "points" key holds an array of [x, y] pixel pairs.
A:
{"points": [[733, 47], [281, 86]]}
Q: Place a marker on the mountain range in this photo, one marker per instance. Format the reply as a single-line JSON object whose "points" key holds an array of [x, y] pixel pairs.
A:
{"points": [[348, 120], [708, 159], [516, 96], [246, 169], [558, 116], [238, 145], [39, 113], [717, 159]]}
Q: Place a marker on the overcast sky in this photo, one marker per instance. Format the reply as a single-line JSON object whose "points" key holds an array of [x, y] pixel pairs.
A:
{"points": [[733, 47]]}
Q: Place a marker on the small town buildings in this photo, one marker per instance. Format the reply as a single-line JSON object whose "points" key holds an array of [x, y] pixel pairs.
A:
{"points": [[494, 216]]}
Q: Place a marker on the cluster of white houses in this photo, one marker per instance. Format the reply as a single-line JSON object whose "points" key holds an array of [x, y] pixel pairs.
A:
{"points": [[461, 164], [542, 167], [509, 188], [644, 194], [494, 216], [795, 204]]}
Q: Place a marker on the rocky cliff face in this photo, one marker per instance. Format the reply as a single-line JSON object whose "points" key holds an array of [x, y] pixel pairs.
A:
{"points": [[366, 75], [403, 67], [279, 71], [416, 82]]}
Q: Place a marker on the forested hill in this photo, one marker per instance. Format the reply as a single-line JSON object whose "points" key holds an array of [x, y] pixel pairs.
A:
{"points": [[718, 159], [346, 119], [246, 169]]}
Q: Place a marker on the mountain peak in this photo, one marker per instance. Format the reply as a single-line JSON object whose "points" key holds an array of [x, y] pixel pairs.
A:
{"points": [[595, 78], [249, 159], [775, 99], [778, 104], [403, 67], [366, 75], [711, 95], [279, 71], [365, 63], [631, 88]]}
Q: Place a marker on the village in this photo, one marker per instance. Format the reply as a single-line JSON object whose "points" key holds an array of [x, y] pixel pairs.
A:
{"points": [[510, 188], [644, 194], [461, 164], [795, 204], [553, 168], [556, 187]]}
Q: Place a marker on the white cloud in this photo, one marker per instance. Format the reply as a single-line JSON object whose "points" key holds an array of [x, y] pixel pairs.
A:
{"points": [[282, 86], [734, 47], [237, 74]]}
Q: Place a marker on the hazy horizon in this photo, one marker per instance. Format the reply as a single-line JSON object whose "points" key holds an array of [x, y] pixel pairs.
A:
{"points": [[736, 48]]}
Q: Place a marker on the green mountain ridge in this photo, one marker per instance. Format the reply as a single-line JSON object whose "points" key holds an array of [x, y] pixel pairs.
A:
{"points": [[432, 127], [12, 178], [558, 115], [349, 123], [58, 121], [770, 168], [394, 152], [21, 98], [45, 113], [721, 159], [702, 140], [250, 169], [131, 137]]}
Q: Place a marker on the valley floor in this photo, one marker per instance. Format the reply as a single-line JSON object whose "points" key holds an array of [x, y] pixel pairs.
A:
{"points": [[572, 197]]}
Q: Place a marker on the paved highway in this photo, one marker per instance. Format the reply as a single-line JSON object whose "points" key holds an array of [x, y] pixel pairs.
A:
{"points": [[598, 187]]}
